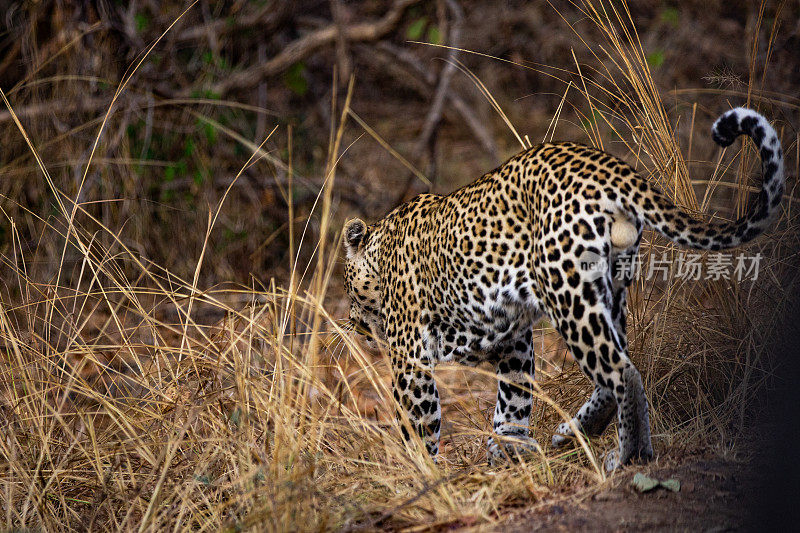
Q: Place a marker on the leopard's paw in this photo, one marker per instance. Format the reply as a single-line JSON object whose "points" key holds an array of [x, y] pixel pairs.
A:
{"points": [[611, 461], [508, 448], [563, 435]]}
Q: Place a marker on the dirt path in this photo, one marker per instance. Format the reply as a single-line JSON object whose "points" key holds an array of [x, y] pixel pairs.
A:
{"points": [[713, 497]]}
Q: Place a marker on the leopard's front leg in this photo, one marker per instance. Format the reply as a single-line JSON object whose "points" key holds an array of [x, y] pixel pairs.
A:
{"points": [[415, 392], [510, 439], [413, 356]]}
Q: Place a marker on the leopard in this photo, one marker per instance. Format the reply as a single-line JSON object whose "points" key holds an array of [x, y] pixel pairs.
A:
{"points": [[465, 277]]}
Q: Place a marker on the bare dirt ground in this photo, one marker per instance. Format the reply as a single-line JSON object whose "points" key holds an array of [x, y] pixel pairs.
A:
{"points": [[714, 496]]}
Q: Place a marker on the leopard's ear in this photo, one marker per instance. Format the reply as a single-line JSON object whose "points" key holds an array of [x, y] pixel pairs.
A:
{"points": [[354, 232]]}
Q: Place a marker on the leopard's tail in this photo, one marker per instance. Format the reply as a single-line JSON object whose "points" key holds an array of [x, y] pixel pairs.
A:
{"points": [[659, 212]]}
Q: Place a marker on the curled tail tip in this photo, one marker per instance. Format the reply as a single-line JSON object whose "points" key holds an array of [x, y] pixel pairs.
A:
{"points": [[761, 213], [741, 121], [726, 128]]}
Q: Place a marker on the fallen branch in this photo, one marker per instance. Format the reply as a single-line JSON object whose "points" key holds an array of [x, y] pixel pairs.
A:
{"points": [[305, 46], [265, 19]]}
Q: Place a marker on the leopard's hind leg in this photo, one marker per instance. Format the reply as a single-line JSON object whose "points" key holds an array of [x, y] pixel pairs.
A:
{"points": [[596, 414], [591, 332], [592, 418]]}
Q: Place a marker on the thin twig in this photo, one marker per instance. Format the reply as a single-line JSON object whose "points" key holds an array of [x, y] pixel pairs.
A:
{"points": [[433, 119], [476, 125]]}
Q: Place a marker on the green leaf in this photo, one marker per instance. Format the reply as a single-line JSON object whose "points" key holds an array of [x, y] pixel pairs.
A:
{"points": [[236, 417], [199, 177], [434, 35], [655, 59], [416, 28], [295, 79], [671, 16], [142, 21], [210, 132], [169, 173], [205, 93], [593, 120]]}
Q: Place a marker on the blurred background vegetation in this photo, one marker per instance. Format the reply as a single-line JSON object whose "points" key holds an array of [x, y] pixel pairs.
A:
{"points": [[227, 73]]}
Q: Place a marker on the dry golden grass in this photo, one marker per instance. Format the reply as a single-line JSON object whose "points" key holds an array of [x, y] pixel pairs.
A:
{"points": [[124, 407]]}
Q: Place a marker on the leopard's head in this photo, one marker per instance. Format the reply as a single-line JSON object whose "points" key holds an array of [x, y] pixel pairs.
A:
{"points": [[361, 280]]}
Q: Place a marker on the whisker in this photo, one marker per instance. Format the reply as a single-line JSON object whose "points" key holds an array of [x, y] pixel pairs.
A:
{"points": [[336, 348]]}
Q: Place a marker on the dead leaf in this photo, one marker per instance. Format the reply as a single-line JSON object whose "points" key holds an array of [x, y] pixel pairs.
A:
{"points": [[644, 483]]}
